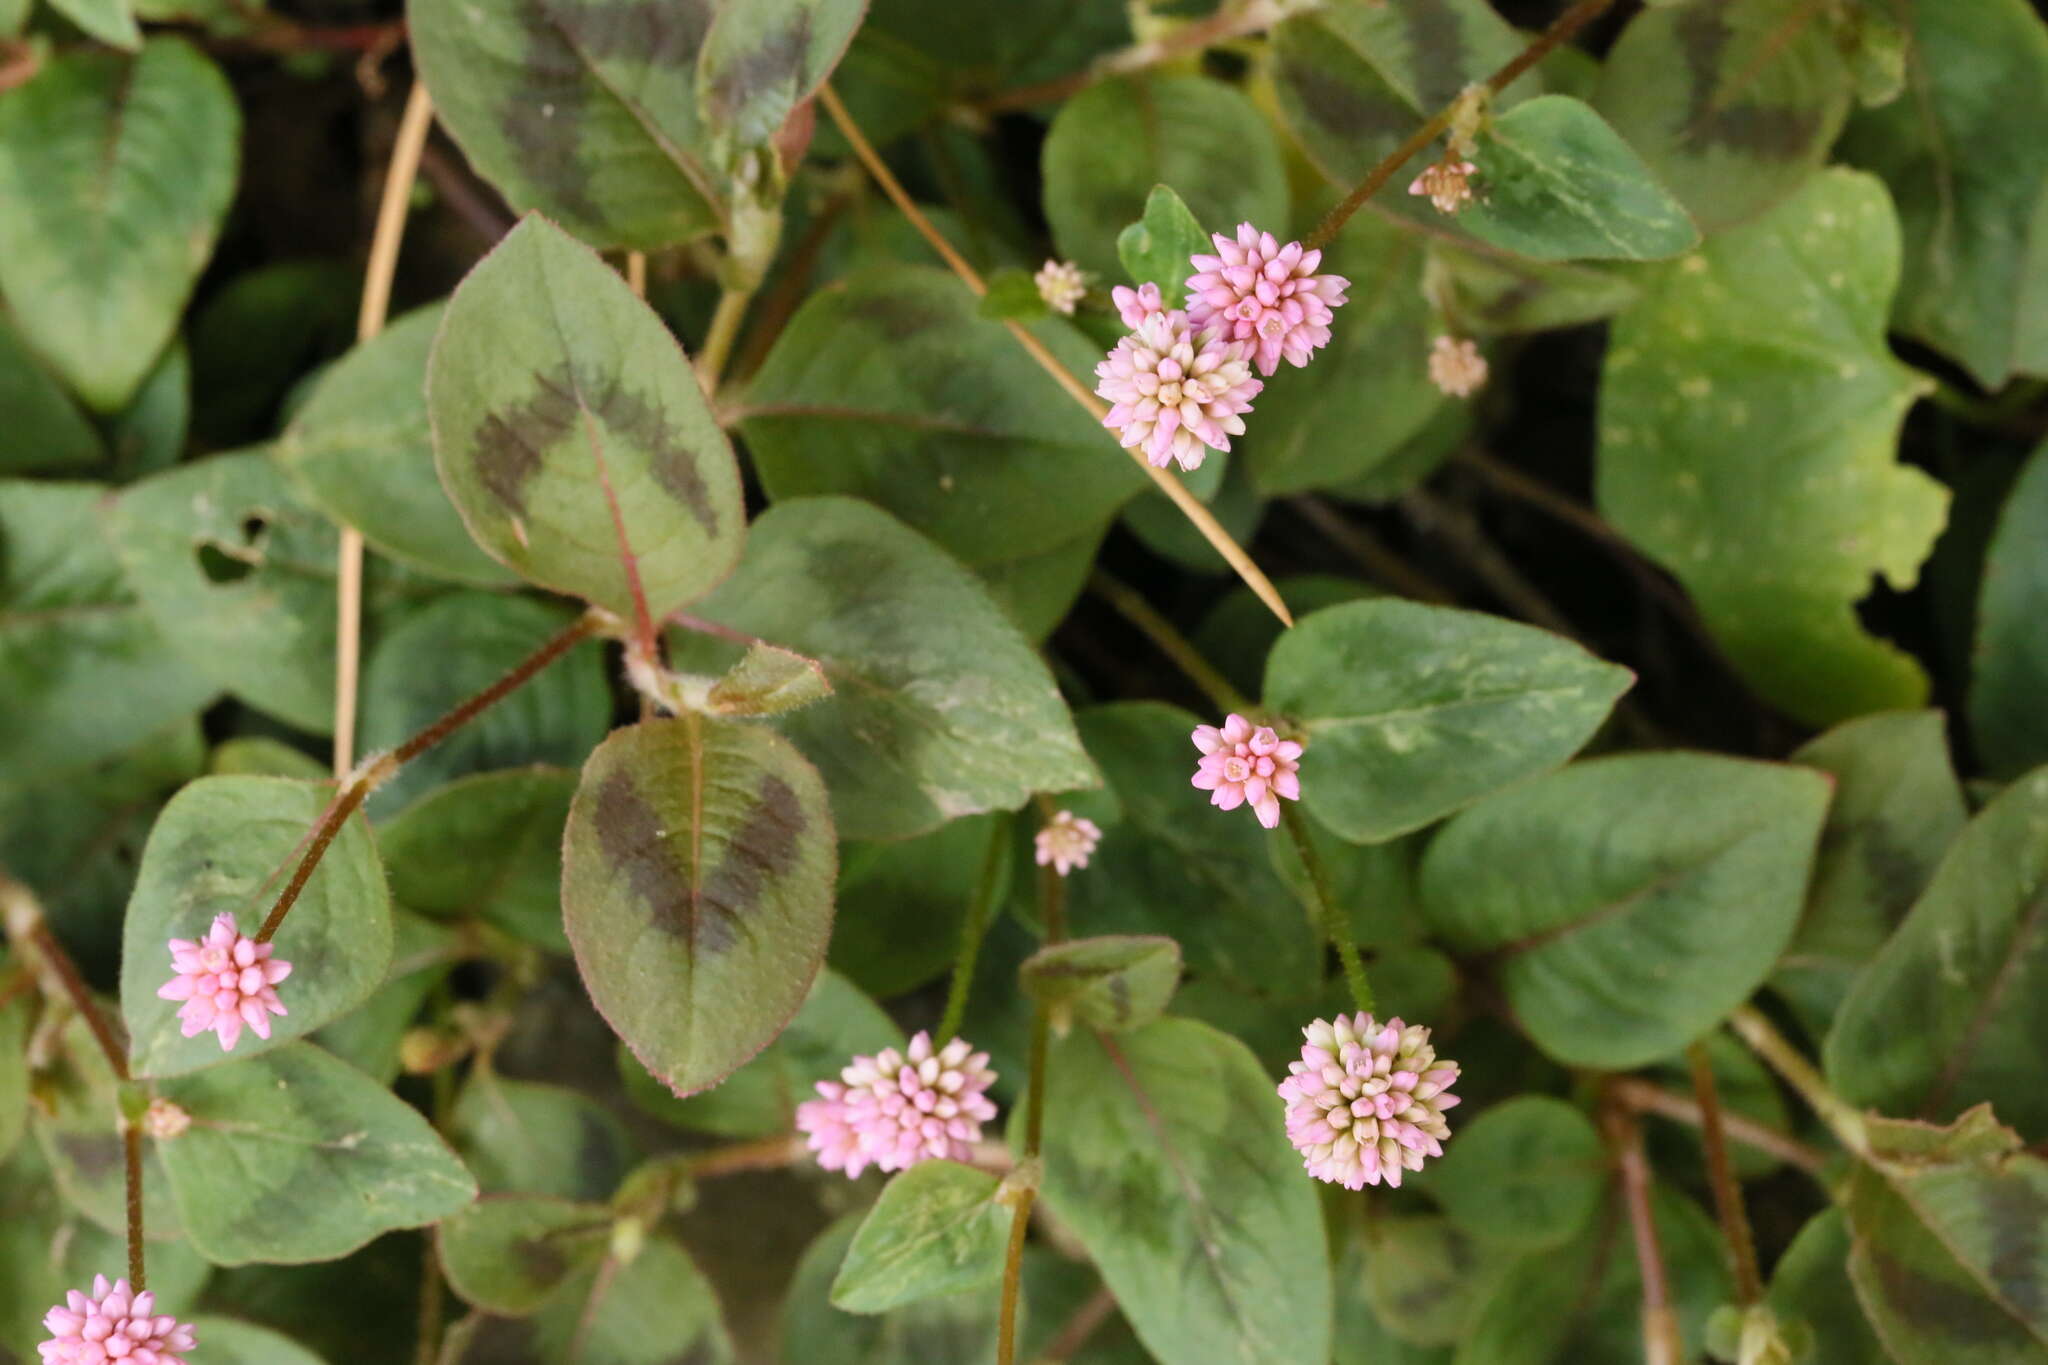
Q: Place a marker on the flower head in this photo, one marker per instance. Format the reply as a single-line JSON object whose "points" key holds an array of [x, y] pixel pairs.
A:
{"points": [[1066, 842], [1366, 1102], [164, 1120], [895, 1109], [1061, 285], [1241, 764], [1448, 184], [1175, 391], [226, 980], [112, 1326], [1456, 367], [1266, 295], [1135, 305]]}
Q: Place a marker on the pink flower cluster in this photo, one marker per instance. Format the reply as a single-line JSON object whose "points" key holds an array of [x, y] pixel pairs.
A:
{"points": [[226, 980], [113, 1326], [1367, 1102], [1066, 842], [896, 1109], [1241, 765], [1179, 384]]}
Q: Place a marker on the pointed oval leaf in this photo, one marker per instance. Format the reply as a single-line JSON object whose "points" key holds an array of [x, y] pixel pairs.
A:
{"points": [[110, 21], [523, 1137], [583, 109], [891, 388], [1165, 1154], [1969, 967], [361, 447], [295, 1156], [509, 1254], [85, 670], [1630, 901], [939, 708], [1732, 105], [45, 430], [1757, 462], [1529, 1172], [1558, 184], [1112, 142], [937, 1229], [1156, 248], [697, 891], [1118, 982], [510, 822], [2007, 720], [76, 1126], [1411, 712], [762, 59], [767, 681], [118, 171], [1810, 1284], [228, 1342], [572, 435], [657, 1309], [214, 850], [959, 1329]]}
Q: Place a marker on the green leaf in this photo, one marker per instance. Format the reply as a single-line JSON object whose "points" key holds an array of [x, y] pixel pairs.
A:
{"points": [[1156, 248], [891, 388], [108, 21], [656, 1309], [1163, 850], [453, 648], [762, 59], [572, 435], [150, 433], [228, 1342], [583, 109], [1810, 1284], [509, 822], [1374, 884], [239, 576], [1314, 435], [1733, 104], [1747, 1089], [1969, 968], [361, 448], [1119, 983], [1947, 1256], [213, 851], [2010, 671], [1558, 184], [256, 337], [1426, 1278], [1410, 712], [768, 681], [1630, 902], [1110, 144], [1527, 1173], [1036, 591], [697, 880], [939, 708], [1165, 1156], [86, 673], [293, 1156], [1362, 1336], [835, 1024], [371, 1036], [1490, 294], [117, 172], [45, 431], [14, 1026], [901, 902], [75, 1123], [1752, 376], [520, 1137], [1971, 184], [1897, 805], [1012, 293], [959, 1329], [939, 1228], [509, 1254]]}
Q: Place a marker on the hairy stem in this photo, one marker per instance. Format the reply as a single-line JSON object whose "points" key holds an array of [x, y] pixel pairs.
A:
{"points": [[1778, 1053], [73, 985], [972, 929], [1052, 910], [1661, 1342], [762, 1154], [380, 770], [1175, 646], [1568, 23], [376, 304], [1646, 1098], [131, 1151], [1728, 1207], [1230, 21], [1331, 921], [719, 337], [1190, 506]]}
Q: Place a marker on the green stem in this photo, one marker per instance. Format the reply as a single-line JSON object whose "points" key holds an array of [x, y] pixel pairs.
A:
{"points": [[1052, 910], [131, 1151], [1170, 642], [1777, 1051], [718, 340], [1331, 921], [973, 928]]}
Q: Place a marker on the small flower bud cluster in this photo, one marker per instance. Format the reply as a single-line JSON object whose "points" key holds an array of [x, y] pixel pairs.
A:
{"points": [[1241, 765], [1066, 842], [1062, 285], [1179, 384], [895, 1109], [226, 980], [113, 1325], [1366, 1102]]}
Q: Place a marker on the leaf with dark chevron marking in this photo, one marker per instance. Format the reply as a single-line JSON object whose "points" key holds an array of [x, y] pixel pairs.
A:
{"points": [[697, 882], [583, 109], [763, 58], [572, 436]]}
